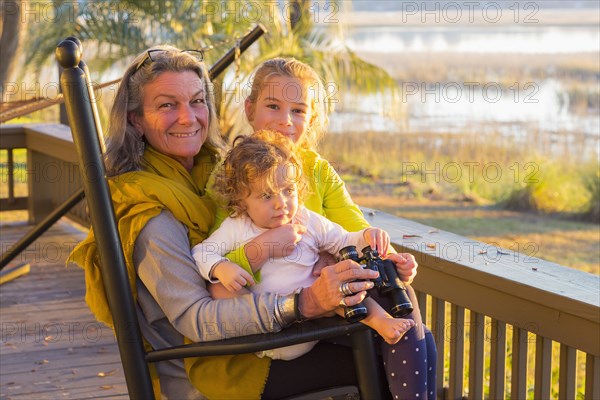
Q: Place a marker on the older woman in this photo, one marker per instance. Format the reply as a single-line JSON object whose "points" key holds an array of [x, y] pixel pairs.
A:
{"points": [[162, 146]]}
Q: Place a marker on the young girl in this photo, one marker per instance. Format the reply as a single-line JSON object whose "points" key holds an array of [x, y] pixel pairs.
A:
{"points": [[287, 96], [261, 183]]}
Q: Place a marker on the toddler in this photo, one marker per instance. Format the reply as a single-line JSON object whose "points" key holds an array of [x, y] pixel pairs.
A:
{"points": [[261, 183]]}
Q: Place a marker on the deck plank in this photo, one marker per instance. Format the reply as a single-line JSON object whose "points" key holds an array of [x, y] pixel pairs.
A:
{"points": [[51, 347]]}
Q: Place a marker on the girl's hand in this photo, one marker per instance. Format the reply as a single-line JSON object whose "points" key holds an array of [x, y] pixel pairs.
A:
{"points": [[278, 242], [406, 265], [378, 239]]}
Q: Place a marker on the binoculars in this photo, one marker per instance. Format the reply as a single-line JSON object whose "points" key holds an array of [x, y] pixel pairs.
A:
{"points": [[388, 283]]}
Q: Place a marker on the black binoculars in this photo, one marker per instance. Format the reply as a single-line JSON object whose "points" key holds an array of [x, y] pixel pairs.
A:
{"points": [[388, 283]]}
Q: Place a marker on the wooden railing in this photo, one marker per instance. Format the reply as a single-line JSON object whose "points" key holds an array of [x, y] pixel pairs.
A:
{"points": [[496, 314], [539, 301], [51, 170]]}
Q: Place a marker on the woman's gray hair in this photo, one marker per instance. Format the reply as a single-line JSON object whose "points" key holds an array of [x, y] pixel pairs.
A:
{"points": [[123, 141]]}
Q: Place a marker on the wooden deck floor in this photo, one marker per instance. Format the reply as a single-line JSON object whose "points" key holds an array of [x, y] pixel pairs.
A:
{"points": [[51, 347]]}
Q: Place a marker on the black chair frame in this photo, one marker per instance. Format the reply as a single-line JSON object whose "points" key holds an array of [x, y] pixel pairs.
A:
{"points": [[134, 358]]}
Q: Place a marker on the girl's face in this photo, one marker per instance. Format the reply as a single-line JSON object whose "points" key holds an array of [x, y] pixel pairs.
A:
{"points": [[273, 207], [285, 105], [175, 115]]}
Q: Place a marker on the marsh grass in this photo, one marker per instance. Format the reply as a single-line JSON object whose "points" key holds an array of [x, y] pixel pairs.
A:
{"points": [[576, 71], [487, 169]]}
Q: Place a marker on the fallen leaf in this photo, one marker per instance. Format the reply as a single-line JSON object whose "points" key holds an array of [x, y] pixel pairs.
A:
{"points": [[534, 268], [434, 231], [410, 236], [482, 251], [42, 362], [431, 245], [106, 387], [103, 374]]}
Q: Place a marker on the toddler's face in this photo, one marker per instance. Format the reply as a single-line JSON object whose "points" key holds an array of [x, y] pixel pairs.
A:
{"points": [[285, 105], [273, 207]]}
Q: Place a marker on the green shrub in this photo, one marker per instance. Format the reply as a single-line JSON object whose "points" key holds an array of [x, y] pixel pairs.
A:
{"points": [[591, 181], [557, 188]]}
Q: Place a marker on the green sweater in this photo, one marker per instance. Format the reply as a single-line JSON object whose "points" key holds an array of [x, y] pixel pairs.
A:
{"points": [[329, 196]]}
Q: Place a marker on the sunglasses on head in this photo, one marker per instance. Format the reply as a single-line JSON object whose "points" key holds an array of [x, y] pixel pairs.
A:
{"points": [[155, 54]]}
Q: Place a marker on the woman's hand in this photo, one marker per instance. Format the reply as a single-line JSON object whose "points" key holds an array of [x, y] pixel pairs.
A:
{"points": [[406, 265], [325, 295]]}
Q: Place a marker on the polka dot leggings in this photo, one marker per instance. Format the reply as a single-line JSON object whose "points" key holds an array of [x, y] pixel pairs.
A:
{"points": [[410, 364]]}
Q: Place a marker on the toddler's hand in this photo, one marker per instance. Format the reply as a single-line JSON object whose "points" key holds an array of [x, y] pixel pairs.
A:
{"points": [[232, 276], [378, 239]]}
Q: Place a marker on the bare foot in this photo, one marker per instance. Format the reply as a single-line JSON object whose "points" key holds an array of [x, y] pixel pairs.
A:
{"points": [[392, 329]]}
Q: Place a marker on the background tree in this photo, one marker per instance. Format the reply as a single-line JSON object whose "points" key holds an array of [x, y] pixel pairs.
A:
{"points": [[12, 32]]}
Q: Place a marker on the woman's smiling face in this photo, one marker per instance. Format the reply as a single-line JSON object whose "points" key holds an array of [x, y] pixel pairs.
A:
{"points": [[175, 115]]}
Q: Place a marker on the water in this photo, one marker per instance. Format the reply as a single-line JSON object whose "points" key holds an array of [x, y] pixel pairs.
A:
{"points": [[524, 39], [536, 107]]}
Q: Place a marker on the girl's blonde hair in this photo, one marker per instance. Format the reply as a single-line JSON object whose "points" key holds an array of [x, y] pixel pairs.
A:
{"points": [[292, 68], [256, 159], [123, 141]]}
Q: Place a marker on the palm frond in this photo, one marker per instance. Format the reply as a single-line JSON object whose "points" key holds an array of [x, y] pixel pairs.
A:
{"points": [[112, 34]]}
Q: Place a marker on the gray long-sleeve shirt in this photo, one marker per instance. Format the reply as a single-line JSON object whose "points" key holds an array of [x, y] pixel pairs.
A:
{"points": [[174, 301]]}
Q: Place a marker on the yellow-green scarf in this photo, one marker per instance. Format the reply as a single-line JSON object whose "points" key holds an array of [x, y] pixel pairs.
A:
{"points": [[138, 197]]}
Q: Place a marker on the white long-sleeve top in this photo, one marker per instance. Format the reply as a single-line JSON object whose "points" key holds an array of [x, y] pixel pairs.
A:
{"points": [[277, 274], [284, 274]]}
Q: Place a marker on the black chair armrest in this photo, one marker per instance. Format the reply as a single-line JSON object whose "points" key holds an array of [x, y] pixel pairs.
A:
{"points": [[318, 329]]}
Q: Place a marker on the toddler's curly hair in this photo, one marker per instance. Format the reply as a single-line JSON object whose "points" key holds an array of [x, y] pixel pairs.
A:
{"points": [[256, 158]]}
